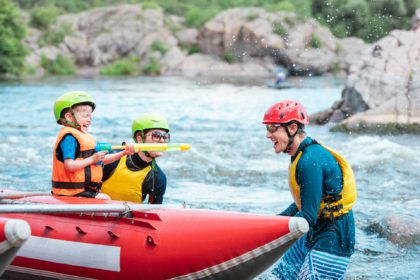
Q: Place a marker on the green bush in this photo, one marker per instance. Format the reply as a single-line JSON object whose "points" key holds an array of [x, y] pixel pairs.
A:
{"points": [[366, 19], [43, 17], [194, 49], [152, 68], [229, 57], [61, 65], [315, 42], [159, 46], [369, 20], [68, 6], [284, 6], [122, 67], [197, 17], [12, 31], [279, 29], [148, 5], [291, 21], [29, 70], [55, 36], [335, 67]]}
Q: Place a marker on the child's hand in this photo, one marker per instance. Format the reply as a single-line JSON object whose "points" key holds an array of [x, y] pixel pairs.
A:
{"points": [[99, 156], [129, 149]]}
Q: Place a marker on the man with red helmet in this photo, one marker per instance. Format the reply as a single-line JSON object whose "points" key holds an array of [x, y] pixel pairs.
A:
{"points": [[324, 191]]}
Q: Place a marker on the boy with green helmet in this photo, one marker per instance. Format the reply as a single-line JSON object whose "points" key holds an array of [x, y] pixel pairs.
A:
{"points": [[75, 168], [134, 177]]}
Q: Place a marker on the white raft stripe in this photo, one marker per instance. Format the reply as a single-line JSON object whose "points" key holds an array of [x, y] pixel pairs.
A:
{"points": [[72, 253], [240, 259], [44, 273]]}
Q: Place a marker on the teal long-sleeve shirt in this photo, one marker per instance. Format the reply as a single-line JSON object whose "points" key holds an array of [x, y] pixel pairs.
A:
{"points": [[318, 174]]}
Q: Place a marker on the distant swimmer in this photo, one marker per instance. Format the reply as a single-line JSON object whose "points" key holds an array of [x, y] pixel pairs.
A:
{"points": [[280, 76]]}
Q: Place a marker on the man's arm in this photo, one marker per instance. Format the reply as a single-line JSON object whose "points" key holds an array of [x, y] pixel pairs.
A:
{"points": [[290, 211], [309, 177]]}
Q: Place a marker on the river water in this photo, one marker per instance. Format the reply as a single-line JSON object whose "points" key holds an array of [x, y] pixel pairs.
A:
{"points": [[231, 165]]}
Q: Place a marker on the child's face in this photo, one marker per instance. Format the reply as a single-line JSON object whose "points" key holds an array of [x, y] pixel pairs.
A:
{"points": [[83, 116]]}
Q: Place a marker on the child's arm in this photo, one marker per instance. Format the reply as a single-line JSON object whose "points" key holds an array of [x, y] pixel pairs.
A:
{"points": [[129, 150], [72, 165]]}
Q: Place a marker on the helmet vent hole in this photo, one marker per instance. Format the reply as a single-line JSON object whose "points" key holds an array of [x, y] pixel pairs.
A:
{"points": [[281, 115], [303, 116]]}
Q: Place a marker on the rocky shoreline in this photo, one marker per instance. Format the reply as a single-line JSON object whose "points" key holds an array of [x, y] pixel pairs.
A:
{"points": [[237, 42], [382, 92]]}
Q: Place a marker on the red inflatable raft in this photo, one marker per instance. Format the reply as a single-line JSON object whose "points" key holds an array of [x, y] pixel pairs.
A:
{"points": [[82, 238]]}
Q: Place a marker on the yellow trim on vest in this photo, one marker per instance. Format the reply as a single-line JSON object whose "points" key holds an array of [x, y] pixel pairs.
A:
{"points": [[348, 192], [124, 184]]}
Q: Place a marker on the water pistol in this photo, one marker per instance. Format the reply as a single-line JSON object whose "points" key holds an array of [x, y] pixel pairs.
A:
{"points": [[145, 147]]}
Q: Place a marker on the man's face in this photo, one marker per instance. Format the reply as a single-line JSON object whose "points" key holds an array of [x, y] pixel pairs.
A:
{"points": [[278, 135], [83, 116], [156, 136]]}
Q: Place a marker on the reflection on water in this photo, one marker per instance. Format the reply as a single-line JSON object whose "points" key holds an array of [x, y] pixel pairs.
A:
{"points": [[231, 165]]}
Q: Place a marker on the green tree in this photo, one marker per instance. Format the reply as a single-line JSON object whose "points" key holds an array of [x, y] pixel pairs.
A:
{"points": [[12, 31], [369, 20]]}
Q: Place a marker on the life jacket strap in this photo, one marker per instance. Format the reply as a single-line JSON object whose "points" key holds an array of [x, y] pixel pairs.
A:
{"points": [[328, 211], [94, 186], [85, 154], [67, 185], [333, 198]]}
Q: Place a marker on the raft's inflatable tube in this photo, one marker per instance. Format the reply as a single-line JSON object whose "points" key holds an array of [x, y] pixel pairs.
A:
{"points": [[13, 233], [159, 243]]}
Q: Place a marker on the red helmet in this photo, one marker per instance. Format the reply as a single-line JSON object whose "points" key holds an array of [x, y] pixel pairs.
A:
{"points": [[285, 112]]}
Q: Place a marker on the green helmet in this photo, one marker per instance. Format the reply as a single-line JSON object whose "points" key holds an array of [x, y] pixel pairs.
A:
{"points": [[70, 99], [148, 121]]}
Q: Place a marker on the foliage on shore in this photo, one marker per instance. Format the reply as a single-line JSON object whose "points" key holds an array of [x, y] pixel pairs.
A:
{"points": [[12, 31], [366, 19], [369, 20]]}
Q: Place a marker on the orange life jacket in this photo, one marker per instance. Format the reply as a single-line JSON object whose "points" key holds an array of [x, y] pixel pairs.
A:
{"points": [[72, 183]]}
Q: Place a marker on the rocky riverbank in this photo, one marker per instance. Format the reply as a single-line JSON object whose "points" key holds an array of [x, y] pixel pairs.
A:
{"points": [[382, 93], [237, 42]]}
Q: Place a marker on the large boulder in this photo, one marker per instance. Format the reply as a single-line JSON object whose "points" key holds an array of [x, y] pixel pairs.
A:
{"points": [[402, 230], [383, 87], [303, 45], [119, 31], [103, 35]]}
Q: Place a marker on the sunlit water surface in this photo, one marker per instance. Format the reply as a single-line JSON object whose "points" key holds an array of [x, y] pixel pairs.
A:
{"points": [[231, 165]]}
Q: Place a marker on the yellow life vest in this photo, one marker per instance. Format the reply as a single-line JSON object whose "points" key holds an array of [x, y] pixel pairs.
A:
{"points": [[73, 183], [125, 184], [336, 205]]}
